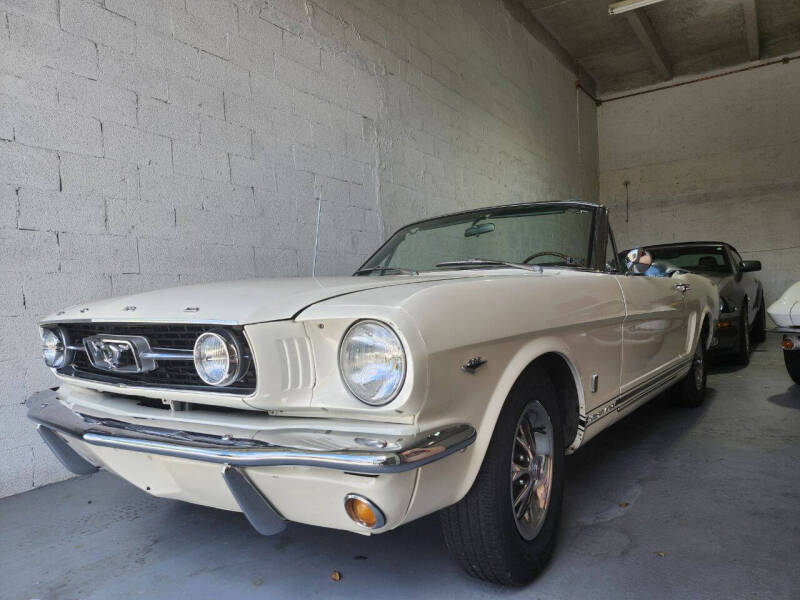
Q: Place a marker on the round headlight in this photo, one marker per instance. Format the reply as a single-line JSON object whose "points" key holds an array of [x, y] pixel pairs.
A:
{"points": [[372, 362], [54, 348], [218, 358]]}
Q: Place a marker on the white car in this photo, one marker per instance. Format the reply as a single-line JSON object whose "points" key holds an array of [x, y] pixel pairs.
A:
{"points": [[785, 311], [451, 373]]}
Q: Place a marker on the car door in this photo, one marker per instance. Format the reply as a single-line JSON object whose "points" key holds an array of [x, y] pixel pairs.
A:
{"points": [[654, 332]]}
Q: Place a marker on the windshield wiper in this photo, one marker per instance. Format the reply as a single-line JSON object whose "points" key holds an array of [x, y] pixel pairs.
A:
{"points": [[396, 270], [485, 262]]}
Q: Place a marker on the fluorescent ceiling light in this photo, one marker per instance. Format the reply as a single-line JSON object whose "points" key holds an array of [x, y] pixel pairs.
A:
{"points": [[625, 5]]}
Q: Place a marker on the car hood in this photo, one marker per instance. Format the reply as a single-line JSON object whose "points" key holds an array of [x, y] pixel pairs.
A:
{"points": [[725, 283], [235, 302]]}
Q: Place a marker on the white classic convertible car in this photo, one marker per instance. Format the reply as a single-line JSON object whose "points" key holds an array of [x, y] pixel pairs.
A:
{"points": [[785, 311], [451, 373]]}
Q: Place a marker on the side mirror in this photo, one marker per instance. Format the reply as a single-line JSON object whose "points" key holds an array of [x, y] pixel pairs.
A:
{"points": [[748, 266], [637, 261]]}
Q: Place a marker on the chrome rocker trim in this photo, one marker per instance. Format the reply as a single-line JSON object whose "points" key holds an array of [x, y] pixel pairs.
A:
{"points": [[647, 388], [402, 454]]}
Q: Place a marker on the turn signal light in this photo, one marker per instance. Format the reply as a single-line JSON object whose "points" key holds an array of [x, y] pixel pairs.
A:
{"points": [[723, 324], [363, 511], [787, 344]]}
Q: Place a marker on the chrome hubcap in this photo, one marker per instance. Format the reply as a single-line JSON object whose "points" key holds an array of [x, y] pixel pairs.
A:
{"points": [[532, 470]]}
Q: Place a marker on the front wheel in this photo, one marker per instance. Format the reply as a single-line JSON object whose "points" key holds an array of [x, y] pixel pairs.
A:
{"points": [[691, 390], [792, 360], [504, 529]]}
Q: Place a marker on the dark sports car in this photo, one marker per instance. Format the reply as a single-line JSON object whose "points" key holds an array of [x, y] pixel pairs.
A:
{"points": [[742, 314]]}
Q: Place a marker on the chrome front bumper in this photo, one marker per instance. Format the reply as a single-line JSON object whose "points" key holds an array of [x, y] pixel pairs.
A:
{"points": [[347, 451], [355, 453]]}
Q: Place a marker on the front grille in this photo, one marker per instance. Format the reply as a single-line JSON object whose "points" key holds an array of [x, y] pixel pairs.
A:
{"points": [[167, 374]]}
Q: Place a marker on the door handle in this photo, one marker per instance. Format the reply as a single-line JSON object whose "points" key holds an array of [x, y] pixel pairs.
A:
{"points": [[682, 287]]}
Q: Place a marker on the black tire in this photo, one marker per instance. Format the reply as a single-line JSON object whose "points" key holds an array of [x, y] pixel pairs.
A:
{"points": [[742, 356], [691, 390], [792, 360], [481, 531], [759, 333]]}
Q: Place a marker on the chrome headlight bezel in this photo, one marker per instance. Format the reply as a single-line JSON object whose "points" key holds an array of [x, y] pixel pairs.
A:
{"points": [[345, 370], [237, 362], [63, 353]]}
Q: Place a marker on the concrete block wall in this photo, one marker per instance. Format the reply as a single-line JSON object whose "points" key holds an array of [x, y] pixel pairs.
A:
{"points": [[713, 160], [153, 143]]}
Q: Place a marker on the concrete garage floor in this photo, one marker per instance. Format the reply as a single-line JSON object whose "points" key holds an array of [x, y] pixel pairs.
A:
{"points": [[715, 490]]}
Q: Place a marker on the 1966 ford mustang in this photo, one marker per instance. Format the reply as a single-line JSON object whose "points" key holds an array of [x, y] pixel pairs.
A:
{"points": [[451, 373]]}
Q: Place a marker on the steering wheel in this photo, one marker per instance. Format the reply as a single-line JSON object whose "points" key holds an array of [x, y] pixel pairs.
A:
{"points": [[548, 253]]}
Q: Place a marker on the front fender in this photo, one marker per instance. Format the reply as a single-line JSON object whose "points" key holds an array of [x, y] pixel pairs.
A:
{"points": [[443, 484]]}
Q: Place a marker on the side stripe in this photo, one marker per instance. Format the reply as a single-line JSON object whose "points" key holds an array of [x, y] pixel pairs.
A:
{"points": [[631, 396]]}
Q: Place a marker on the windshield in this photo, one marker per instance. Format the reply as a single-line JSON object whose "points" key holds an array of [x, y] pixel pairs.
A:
{"points": [[697, 259], [537, 235]]}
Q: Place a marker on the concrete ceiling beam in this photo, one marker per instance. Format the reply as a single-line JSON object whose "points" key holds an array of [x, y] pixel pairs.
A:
{"points": [[521, 13], [751, 28], [643, 29]]}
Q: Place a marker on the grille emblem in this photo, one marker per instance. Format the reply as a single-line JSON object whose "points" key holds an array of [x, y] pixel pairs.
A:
{"points": [[119, 353], [111, 353]]}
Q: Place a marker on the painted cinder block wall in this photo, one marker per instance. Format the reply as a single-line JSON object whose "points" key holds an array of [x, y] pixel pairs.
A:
{"points": [[712, 160], [153, 143]]}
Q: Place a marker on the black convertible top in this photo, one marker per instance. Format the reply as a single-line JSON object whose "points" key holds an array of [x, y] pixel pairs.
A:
{"points": [[670, 244]]}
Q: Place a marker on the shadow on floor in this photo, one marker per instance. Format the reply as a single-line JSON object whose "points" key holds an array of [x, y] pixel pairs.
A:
{"points": [[789, 399]]}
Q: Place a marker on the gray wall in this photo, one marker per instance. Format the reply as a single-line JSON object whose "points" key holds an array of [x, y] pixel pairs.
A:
{"points": [[714, 160], [150, 143]]}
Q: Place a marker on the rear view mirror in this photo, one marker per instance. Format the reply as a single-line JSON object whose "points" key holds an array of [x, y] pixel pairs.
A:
{"points": [[748, 266], [479, 229]]}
